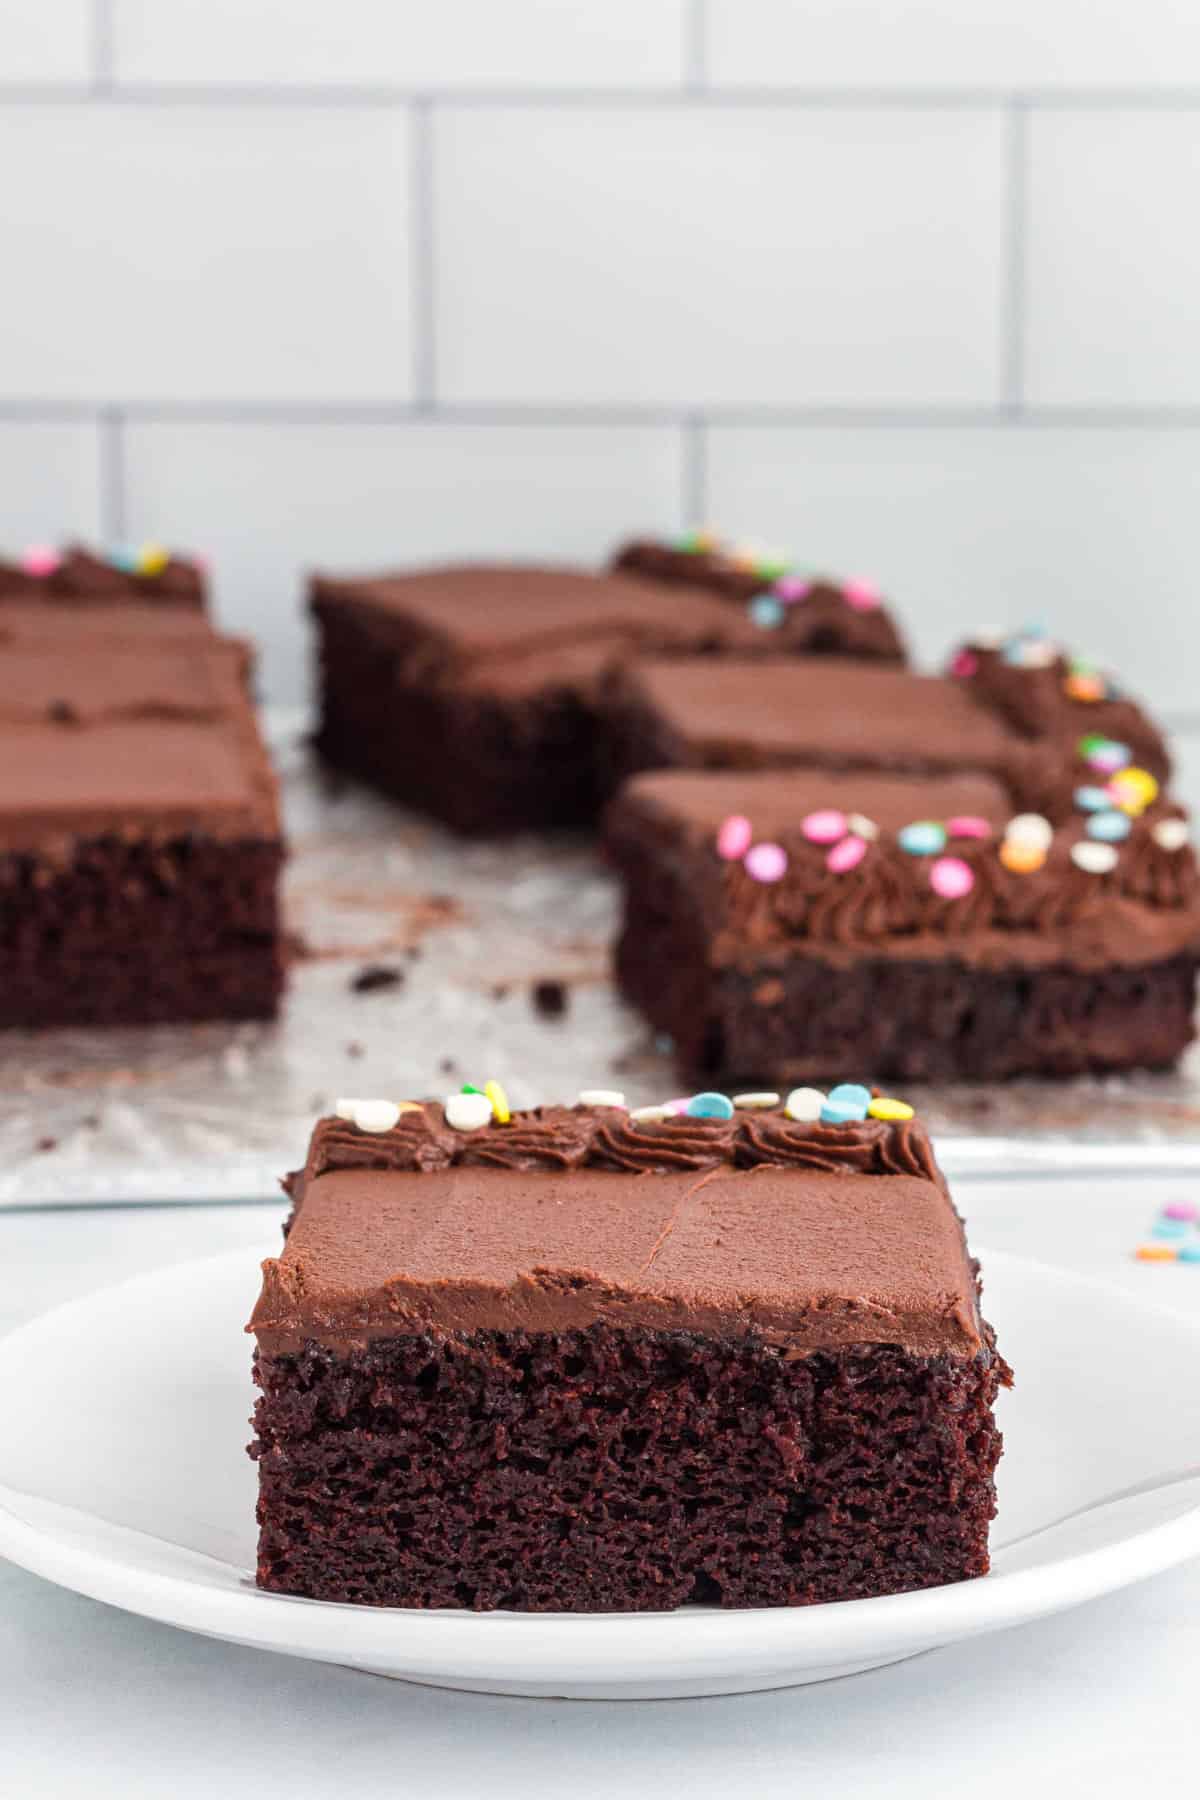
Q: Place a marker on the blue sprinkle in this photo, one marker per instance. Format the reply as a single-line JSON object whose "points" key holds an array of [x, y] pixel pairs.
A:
{"points": [[850, 1093], [1109, 827], [1170, 1228], [1189, 1253], [709, 1106], [1093, 799], [125, 560], [923, 838], [841, 1112], [767, 611]]}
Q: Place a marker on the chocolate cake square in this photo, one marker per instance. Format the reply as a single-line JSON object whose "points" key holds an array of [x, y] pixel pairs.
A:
{"points": [[797, 924], [817, 615], [476, 692], [140, 841], [581, 1360]]}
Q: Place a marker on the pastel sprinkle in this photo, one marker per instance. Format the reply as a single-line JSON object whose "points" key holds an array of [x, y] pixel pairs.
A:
{"points": [[152, 559], [1181, 1209], [375, 1115], [1084, 687], [1030, 828], [1189, 1253], [965, 664], [805, 1105], [1156, 1253], [1134, 789], [602, 1097], [862, 827], [1092, 799], [501, 1110], [468, 1087], [650, 1115], [851, 1093], [824, 827], [790, 588], [410, 1106], [1171, 834], [1106, 755], [755, 1102], [1109, 827], [1022, 856], [40, 560], [697, 541], [1169, 1228], [676, 1108], [951, 878], [346, 1109], [766, 862], [467, 1112], [846, 856], [734, 838], [968, 825], [883, 1108], [1094, 859], [842, 1112], [710, 1106], [925, 837], [767, 612], [125, 560], [863, 596]]}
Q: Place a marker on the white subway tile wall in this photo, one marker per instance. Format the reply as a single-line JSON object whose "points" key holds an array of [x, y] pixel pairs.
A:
{"points": [[909, 285]]}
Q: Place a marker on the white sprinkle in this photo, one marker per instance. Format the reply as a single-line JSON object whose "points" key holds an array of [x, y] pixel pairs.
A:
{"points": [[990, 638], [1171, 834], [346, 1109], [862, 827], [1094, 859], [804, 1104], [375, 1115], [1030, 828], [600, 1097], [1040, 654], [650, 1115], [755, 1102], [467, 1112]]}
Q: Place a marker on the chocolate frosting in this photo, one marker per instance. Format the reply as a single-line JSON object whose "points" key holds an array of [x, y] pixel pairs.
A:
{"points": [[84, 579]]}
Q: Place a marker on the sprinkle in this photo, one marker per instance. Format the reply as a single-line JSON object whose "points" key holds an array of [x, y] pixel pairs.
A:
{"points": [[734, 838], [675, 1109], [964, 664], [375, 1115], [125, 560], [755, 1102], [1030, 828], [846, 856], [467, 1112], [851, 1093], [1181, 1209], [1040, 654], [790, 588], [883, 1108], [1094, 859], [1022, 856], [410, 1106], [1189, 1253], [968, 825], [863, 596], [951, 878], [862, 827], [1105, 754], [767, 612], [152, 559], [501, 1110], [710, 1106], [40, 560], [842, 1112], [1156, 1253], [1109, 827], [346, 1109], [650, 1115], [824, 827], [1169, 1228], [1082, 686], [771, 564], [603, 1097], [766, 862], [1134, 789], [468, 1087], [804, 1105], [696, 542], [1092, 799], [1171, 834], [925, 837]]}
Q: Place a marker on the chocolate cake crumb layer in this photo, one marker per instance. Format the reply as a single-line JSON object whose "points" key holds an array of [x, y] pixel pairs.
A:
{"points": [[736, 1361]]}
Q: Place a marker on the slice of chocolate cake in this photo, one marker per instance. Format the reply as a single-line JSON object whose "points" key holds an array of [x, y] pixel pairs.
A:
{"points": [[815, 614], [579, 1359], [798, 924]]}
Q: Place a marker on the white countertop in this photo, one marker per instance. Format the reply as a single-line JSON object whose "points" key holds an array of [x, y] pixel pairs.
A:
{"points": [[97, 1703]]}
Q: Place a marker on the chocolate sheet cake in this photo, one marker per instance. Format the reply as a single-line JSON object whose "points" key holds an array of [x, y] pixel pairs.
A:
{"points": [[799, 923], [140, 841], [579, 1359], [813, 613], [476, 692]]}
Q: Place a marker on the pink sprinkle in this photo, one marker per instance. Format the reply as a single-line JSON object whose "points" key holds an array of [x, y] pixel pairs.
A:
{"points": [[863, 596], [824, 827], [734, 838], [766, 862], [792, 587], [677, 1106], [968, 825], [951, 878], [965, 664], [1181, 1209], [846, 856], [40, 559]]}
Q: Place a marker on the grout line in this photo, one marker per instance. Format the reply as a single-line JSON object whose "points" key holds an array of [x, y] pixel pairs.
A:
{"points": [[694, 472], [1016, 228], [421, 199], [103, 46], [111, 453], [694, 21]]}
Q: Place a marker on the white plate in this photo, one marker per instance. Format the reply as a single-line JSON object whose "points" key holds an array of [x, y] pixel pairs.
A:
{"points": [[123, 1421]]}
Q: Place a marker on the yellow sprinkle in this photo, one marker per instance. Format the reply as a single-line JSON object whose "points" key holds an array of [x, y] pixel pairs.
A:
{"points": [[152, 559], [883, 1108], [501, 1111], [410, 1106], [1135, 790], [1021, 855], [1156, 1253]]}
